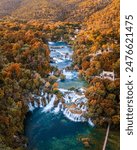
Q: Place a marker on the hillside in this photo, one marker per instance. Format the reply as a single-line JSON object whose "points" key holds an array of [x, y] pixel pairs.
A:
{"points": [[8, 6], [91, 27], [98, 34], [97, 49], [57, 10]]}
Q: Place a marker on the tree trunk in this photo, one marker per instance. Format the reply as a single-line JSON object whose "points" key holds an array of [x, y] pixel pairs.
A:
{"points": [[106, 137]]}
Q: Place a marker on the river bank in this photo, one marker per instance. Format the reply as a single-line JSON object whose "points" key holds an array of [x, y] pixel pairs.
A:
{"points": [[60, 121]]}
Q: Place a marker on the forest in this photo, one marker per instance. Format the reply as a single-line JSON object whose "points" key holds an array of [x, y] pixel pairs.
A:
{"points": [[99, 43], [51, 10], [90, 27], [24, 69]]}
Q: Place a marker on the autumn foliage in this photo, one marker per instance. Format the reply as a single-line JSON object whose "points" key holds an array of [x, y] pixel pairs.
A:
{"points": [[90, 26], [24, 63], [97, 48]]}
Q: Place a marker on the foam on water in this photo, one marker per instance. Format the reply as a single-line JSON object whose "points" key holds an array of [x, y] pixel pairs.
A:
{"points": [[50, 105], [60, 53]]}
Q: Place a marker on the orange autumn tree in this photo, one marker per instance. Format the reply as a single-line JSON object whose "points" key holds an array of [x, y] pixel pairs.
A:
{"points": [[99, 42], [12, 69], [20, 50]]}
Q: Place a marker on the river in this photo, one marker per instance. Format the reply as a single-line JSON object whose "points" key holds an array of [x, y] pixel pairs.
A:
{"points": [[60, 127]]}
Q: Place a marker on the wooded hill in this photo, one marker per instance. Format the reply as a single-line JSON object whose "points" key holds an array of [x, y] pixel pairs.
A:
{"points": [[97, 49], [51, 10], [24, 57]]}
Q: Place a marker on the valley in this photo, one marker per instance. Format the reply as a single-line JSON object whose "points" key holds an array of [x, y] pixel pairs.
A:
{"points": [[59, 74]]}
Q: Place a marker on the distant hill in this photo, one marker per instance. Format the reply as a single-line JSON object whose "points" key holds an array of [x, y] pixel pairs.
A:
{"points": [[51, 10], [90, 26], [8, 6], [84, 9]]}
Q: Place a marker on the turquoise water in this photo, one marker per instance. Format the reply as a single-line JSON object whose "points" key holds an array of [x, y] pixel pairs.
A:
{"points": [[57, 43], [77, 83], [49, 131]]}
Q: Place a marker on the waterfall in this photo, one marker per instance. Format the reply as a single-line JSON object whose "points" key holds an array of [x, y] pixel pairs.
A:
{"points": [[67, 99], [71, 95], [31, 108], [83, 108], [70, 98], [58, 108], [35, 104], [70, 74], [74, 102], [57, 60], [90, 122], [40, 100], [73, 117], [50, 105]]}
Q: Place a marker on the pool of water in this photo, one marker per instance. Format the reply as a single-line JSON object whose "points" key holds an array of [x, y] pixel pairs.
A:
{"points": [[53, 131], [76, 83], [47, 131]]}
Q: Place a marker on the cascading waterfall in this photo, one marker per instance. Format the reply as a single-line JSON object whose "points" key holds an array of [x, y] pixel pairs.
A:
{"points": [[90, 122], [69, 74], [73, 117], [74, 102], [58, 108], [31, 108], [50, 105]]}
